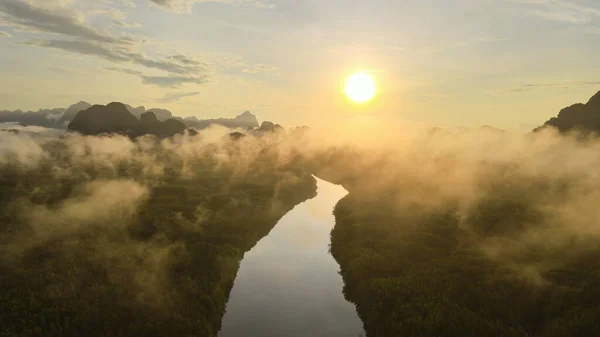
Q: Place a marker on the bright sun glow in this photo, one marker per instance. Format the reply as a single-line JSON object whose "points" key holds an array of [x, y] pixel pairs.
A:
{"points": [[360, 87]]}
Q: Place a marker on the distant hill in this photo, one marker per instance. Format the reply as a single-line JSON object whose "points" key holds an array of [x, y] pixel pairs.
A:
{"points": [[491, 129], [45, 117], [49, 118], [116, 118], [137, 112], [582, 117], [161, 114], [61, 117], [267, 126], [163, 129], [72, 111], [244, 121]]}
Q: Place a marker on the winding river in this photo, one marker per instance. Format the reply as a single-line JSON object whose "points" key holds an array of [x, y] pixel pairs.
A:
{"points": [[288, 284]]}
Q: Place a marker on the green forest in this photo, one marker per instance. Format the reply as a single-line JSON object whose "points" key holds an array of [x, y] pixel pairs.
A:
{"points": [[103, 236], [504, 265], [107, 236]]}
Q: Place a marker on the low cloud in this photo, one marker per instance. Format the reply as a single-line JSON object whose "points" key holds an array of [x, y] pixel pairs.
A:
{"points": [[97, 204]]}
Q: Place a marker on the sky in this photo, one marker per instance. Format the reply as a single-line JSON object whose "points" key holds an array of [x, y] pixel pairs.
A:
{"points": [[507, 63]]}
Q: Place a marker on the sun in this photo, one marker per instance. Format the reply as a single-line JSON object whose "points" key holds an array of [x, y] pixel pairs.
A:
{"points": [[360, 87]]}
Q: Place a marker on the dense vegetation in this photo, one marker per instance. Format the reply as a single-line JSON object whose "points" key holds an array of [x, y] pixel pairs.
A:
{"points": [[506, 264], [101, 236]]}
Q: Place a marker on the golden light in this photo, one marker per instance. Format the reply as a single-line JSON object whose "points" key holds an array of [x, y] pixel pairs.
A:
{"points": [[360, 87]]}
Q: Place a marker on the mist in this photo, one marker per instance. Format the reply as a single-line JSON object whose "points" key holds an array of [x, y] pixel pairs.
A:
{"points": [[526, 202]]}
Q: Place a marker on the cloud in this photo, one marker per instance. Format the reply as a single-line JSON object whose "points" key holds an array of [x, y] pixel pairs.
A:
{"points": [[509, 90], [100, 203], [258, 68], [81, 47], [560, 11], [174, 96], [56, 20], [532, 86], [5, 34], [172, 81], [125, 3], [59, 70], [587, 83], [185, 60], [56, 17], [185, 6], [119, 18], [125, 70], [118, 55], [447, 45]]}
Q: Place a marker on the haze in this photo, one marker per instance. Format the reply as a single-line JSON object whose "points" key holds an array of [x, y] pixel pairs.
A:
{"points": [[267, 168], [465, 62]]}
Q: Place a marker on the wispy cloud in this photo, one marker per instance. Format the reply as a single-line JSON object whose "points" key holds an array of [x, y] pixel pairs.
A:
{"points": [[119, 55], [534, 86], [55, 20], [258, 68], [560, 11], [174, 96], [172, 81], [59, 70], [445, 46], [81, 47], [185, 6], [118, 18], [75, 35], [5, 34]]}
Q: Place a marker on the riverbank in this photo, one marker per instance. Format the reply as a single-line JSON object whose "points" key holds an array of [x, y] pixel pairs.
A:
{"points": [[146, 241], [414, 270]]}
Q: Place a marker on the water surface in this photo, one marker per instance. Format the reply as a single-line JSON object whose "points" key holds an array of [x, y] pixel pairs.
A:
{"points": [[288, 284]]}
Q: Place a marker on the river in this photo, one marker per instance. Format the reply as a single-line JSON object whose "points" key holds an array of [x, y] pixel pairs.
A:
{"points": [[288, 284]]}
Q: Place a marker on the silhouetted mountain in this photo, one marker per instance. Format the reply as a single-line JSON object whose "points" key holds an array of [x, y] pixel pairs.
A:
{"points": [[46, 117], [112, 118], [117, 118], [583, 117], [244, 120], [72, 111], [300, 131], [491, 129], [161, 114], [60, 118], [236, 135], [151, 125], [269, 127], [192, 132], [137, 112]]}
